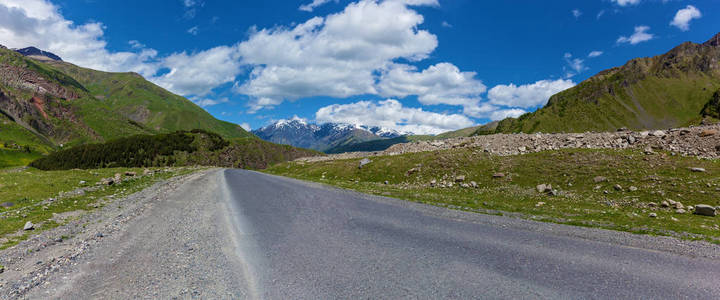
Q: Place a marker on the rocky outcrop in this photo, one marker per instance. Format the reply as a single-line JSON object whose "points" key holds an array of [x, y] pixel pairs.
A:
{"points": [[701, 141]]}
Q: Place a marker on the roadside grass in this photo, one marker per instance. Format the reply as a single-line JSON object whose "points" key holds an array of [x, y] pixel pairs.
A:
{"points": [[581, 200], [27, 188]]}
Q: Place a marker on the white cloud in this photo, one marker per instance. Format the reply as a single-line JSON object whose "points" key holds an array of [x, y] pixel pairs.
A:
{"points": [[640, 35], [492, 112], [311, 6], [393, 115], [626, 2], [198, 73], [576, 13], [246, 126], [595, 54], [684, 16], [528, 95], [442, 83], [193, 30], [39, 23], [446, 24], [574, 65], [600, 14], [339, 56], [205, 102]]}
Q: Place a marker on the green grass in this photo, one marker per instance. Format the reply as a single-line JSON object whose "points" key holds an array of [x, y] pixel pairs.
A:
{"points": [[657, 177], [14, 158], [26, 188]]}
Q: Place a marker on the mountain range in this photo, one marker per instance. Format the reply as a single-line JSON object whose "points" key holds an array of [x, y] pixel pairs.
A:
{"points": [[323, 137], [668, 90]]}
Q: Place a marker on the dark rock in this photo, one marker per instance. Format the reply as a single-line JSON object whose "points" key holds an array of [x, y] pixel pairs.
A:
{"points": [[705, 210]]}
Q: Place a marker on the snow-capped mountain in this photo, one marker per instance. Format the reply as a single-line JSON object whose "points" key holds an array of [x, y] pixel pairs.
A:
{"points": [[299, 133]]}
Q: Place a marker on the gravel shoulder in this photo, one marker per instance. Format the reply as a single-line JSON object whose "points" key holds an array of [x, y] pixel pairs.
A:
{"points": [[172, 240]]}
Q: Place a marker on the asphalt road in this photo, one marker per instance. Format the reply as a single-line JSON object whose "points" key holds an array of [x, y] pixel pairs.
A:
{"points": [[234, 234], [305, 241]]}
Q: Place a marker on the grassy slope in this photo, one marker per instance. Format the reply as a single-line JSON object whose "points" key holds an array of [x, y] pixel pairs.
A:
{"points": [[669, 90], [657, 177], [128, 96]]}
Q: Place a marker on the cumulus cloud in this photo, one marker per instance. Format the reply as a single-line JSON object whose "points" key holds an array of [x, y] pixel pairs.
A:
{"points": [[527, 95], [193, 30], [595, 54], [39, 23], [198, 73], [492, 112], [626, 2], [442, 83], [684, 16], [246, 126], [392, 114], [640, 35], [338, 56]]}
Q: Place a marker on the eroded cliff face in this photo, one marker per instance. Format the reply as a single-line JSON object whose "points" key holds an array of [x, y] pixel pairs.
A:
{"points": [[39, 100]]}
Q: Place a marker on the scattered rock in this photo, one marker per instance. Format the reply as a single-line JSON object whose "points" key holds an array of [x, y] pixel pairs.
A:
{"points": [[599, 179], [146, 171], [99, 234], [29, 226], [82, 182], [708, 132], [633, 189], [544, 188], [364, 162], [387, 182], [539, 204], [460, 178], [658, 133], [618, 187], [680, 211], [473, 184], [679, 205], [705, 210], [698, 170], [652, 215], [433, 182], [498, 175], [7, 204], [652, 204], [664, 204], [130, 173]]}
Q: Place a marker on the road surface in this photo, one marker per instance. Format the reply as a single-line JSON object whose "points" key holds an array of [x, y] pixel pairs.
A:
{"points": [[259, 236]]}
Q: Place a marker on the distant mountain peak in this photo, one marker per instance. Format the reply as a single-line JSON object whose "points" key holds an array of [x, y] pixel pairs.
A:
{"points": [[301, 133], [38, 53]]}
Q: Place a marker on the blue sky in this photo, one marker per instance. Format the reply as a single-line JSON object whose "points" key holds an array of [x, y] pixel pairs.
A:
{"points": [[423, 66]]}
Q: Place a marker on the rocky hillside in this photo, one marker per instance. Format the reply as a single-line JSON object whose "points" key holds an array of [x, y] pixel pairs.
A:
{"points": [[699, 141], [664, 91], [47, 103], [299, 133]]}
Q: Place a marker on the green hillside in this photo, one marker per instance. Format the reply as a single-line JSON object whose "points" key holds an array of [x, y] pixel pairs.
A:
{"points": [[380, 145], [47, 105], [67, 104], [668, 90]]}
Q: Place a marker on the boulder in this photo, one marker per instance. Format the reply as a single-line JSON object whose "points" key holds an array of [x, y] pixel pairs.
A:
{"points": [[544, 188], [652, 215], [364, 162], [599, 179], [708, 132], [697, 170], [29, 226], [705, 210]]}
